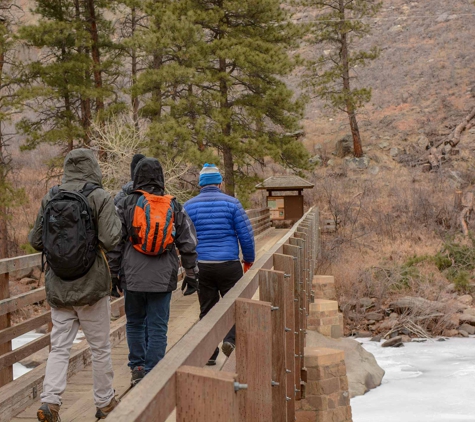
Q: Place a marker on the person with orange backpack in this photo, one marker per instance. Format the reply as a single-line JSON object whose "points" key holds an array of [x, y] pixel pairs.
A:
{"points": [[145, 264]]}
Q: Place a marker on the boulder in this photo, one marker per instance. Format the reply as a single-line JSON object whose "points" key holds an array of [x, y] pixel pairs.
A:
{"points": [[467, 318], [363, 371], [467, 328], [344, 146], [393, 342], [466, 299], [27, 281], [374, 316], [411, 304]]}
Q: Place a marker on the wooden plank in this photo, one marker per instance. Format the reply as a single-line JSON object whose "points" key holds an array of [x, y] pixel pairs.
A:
{"points": [[205, 395], [6, 374], [285, 263], [8, 359], [154, 398], [10, 265], [254, 359], [17, 330], [271, 289], [14, 303], [230, 364], [22, 392]]}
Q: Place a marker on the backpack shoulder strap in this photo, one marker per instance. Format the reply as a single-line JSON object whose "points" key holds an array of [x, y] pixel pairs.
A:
{"points": [[89, 188], [54, 191]]}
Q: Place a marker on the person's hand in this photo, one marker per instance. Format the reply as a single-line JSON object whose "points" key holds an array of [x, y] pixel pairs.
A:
{"points": [[116, 286], [247, 266], [190, 283]]}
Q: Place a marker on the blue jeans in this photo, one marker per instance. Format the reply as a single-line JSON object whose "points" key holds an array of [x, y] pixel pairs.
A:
{"points": [[147, 325]]}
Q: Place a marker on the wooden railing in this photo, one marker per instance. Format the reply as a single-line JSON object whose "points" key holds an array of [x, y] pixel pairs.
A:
{"points": [[260, 220], [267, 374]]}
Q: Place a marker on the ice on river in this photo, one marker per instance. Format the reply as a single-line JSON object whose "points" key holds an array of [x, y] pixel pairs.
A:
{"points": [[18, 368], [432, 381]]}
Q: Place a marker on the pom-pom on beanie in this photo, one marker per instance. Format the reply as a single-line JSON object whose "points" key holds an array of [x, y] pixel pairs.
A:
{"points": [[133, 164], [210, 175]]}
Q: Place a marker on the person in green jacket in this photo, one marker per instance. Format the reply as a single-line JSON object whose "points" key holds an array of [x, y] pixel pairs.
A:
{"points": [[84, 301]]}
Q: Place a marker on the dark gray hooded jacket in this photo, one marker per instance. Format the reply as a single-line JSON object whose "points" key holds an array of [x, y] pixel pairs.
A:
{"points": [[80, 167], [143, 273]]}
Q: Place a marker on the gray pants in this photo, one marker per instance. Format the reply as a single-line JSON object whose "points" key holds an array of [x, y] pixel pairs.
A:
{"points": [[95, 323]]}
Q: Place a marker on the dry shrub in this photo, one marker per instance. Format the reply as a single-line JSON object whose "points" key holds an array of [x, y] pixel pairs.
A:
{"points": [[119, 139], [387, 225]]}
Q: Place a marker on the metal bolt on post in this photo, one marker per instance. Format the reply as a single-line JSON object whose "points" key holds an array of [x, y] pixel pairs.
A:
{"points": [[238, 386]]}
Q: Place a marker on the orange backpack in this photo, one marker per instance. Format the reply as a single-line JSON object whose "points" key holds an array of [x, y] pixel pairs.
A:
{"points": [[153, 229]]}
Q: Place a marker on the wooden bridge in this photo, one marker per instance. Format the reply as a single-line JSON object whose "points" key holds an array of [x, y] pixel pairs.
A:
{"points": [[264, 380]]}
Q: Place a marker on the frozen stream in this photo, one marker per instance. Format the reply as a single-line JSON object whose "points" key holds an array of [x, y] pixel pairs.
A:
{"points": [[18, 368], [424, 382]]}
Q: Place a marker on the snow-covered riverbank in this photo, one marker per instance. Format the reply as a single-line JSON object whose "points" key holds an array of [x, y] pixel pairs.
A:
{"points": [[424, 382], [18, 368]]}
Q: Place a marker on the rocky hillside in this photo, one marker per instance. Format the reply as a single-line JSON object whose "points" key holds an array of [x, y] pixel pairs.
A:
{"points": [[422, 81]]}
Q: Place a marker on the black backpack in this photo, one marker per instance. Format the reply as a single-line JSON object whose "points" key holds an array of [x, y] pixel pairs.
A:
{"points": [[69, 234]]}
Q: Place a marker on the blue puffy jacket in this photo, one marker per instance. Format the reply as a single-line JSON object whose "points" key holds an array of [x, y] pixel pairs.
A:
{"points": [[220, 221]]}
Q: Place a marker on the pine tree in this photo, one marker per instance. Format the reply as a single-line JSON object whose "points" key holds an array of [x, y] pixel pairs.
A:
{"points": [[246, 111], [214, 84], [9, 82], [339, 24], [73, 76]]}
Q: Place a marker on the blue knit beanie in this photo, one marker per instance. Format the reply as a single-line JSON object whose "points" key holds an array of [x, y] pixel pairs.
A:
{"points": [[210, 175]]}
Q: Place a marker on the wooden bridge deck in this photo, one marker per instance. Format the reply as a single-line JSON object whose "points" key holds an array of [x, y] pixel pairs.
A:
{"points": [[78, 403]]}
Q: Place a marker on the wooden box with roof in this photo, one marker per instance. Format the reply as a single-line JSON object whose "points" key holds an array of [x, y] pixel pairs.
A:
{"points": [[282, 203]]}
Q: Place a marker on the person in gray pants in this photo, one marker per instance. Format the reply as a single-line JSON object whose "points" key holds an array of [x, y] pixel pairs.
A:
{"points": [[83, 301]]}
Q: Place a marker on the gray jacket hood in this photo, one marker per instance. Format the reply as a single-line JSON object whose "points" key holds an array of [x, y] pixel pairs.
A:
{"points": [[149, 176], [80, 166]]}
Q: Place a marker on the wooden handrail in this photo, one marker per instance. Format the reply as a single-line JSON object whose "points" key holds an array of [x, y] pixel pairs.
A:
{"points": [[24, 262], [260, 220], [154, 398]]}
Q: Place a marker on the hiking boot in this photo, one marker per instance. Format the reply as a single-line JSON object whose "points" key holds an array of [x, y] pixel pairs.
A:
{"points": [[228, 348], [137, 374], [48, 413], [211, 362], [103, 412]]}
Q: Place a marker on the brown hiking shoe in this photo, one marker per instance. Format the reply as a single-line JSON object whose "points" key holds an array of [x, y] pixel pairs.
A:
{"points": [[48, 413], [103, 412]]}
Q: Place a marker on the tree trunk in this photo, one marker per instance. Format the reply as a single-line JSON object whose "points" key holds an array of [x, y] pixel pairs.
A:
{"points": [[134, 97], [3, 174], [226, 130], [86, 116], [96, 56], [350, 109], [228, 171]]}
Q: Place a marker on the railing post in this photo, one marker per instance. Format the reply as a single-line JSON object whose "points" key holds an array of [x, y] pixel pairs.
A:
{"points": [[300, 282], [204, 395], [254, 359], [272, 289], [286, 264], [6, 374]]}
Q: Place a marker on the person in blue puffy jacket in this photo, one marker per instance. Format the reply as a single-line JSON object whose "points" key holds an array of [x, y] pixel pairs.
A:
{"points": [[221, 225]]}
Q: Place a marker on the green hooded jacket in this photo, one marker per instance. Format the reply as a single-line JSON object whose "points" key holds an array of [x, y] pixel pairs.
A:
{"points": [[81, 167]]}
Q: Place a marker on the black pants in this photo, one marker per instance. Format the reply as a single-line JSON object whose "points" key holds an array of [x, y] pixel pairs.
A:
{"points": [[215, 281]]}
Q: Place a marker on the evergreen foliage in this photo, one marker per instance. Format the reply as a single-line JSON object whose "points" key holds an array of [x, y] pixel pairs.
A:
{"points": [[10, 80], [64, 93], [214, 85]]}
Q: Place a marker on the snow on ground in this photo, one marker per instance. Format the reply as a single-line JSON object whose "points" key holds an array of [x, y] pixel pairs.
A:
{"points": [[432, 381], [18, 368]]}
